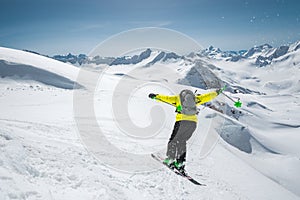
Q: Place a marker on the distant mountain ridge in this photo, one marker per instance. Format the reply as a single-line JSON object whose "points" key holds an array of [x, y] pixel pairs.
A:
{"points": [[261, 56], [73, 59], [124, 60]]}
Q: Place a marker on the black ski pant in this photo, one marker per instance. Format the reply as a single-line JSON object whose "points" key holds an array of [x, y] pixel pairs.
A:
{"points": [[182, 131]]}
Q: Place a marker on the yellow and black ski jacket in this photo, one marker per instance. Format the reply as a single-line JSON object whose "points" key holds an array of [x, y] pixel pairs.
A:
{"points": [[175, 101]]}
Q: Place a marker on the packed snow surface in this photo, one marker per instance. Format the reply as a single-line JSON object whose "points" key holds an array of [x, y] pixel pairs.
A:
{"points": [[43, 155]]}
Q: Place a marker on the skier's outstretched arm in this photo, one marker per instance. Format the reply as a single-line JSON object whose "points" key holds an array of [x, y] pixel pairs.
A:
{"points": [[203, 98], [164, 98]]}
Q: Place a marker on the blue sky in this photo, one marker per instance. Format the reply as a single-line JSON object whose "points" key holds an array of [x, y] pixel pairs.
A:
{"points": [[62, 26]]}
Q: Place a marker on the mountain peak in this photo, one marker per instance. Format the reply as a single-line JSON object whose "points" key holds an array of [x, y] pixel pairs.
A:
{"points": [[264, 46], [132, 59], [257, 49], [213, 49]]}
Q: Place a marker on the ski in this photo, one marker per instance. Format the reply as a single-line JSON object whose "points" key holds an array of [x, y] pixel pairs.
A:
{"points": [[160, 159]]}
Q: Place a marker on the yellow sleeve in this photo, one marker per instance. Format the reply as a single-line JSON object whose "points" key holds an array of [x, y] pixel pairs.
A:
{"points": [[203, 98], [168, 99]]}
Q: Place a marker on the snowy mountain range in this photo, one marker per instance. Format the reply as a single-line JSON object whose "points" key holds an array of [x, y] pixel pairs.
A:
{"points": [[82, 59], [256, 154], [260, 56]]}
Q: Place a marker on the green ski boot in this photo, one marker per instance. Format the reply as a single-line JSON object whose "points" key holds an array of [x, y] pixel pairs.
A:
{"points": [[169, 162], [180, 167]]}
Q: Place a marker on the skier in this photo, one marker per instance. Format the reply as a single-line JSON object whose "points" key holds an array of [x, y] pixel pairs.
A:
{"points": [[186, 121]]}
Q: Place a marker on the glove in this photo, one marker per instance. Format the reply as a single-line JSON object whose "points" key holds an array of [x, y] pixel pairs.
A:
{"points": [[152, 96], [219, 91]]}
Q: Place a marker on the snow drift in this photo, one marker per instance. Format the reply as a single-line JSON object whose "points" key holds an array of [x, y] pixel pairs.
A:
{"points": [[20, 65]]}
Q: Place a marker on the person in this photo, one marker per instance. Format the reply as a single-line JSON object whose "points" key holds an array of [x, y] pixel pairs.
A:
{"points": [[185, 125]]}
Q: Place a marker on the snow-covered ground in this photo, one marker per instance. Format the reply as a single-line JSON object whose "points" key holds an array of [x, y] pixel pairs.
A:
{"points": [[43, 155]]}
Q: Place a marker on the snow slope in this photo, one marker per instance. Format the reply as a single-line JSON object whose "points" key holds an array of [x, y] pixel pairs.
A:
{"points": [[27, 66], [43, 157], [272, 116]]}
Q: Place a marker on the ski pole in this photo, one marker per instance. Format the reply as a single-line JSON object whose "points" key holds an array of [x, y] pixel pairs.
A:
{"points": [[229, 97], [237, 103]]}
